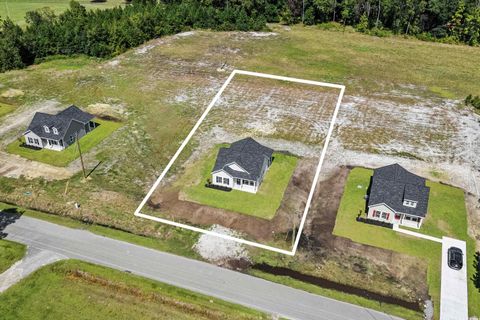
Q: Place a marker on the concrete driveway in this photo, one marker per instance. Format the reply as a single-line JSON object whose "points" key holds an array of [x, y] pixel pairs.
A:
{"points": [[454, 295]]}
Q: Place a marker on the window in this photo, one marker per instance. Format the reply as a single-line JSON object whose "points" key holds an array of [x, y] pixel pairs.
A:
{"points": [[218, 179], [410, 203], [92, 124], [376, 213], [46, 129], [384, 215], [30, 140], [245, 181], [55, 131], [226, 181], [36, 141], [72, 138], [397, 216], [252, 183], [239, 181], [54, 142], [408, 218]]}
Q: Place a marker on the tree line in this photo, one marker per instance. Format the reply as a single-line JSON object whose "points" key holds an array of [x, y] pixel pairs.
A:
{"points": [[108, 32], [454, 21]]}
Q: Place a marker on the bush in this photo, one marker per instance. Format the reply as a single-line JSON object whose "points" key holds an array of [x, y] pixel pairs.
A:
{"points": [[473, 101]]}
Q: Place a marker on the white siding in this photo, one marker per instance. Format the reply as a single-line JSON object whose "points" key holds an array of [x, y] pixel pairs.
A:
{"points": [[384, 209], [223, 175], [33, 136], [391, 218]]}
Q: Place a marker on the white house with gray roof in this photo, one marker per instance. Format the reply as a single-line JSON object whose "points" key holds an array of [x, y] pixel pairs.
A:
{"points": [[56, 132], [242, 166], [397, 196]]}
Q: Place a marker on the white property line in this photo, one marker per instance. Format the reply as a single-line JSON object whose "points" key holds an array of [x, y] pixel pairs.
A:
{"points": [[187, 139], [416, 234]]}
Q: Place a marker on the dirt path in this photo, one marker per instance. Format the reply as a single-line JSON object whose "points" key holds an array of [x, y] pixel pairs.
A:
{"points": [[18, 121]]}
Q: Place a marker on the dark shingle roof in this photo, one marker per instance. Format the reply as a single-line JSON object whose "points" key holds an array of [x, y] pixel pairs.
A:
{"points": [[60, 121], [393, 184], [248, 154]]}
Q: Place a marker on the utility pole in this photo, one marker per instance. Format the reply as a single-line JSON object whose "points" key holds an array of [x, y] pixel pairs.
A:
{"points": [[81, 157], [303, 11], [293, 232]]}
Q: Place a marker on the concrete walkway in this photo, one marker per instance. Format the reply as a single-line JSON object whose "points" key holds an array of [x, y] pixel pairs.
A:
{"points": [[416, 234], [33, 260]]}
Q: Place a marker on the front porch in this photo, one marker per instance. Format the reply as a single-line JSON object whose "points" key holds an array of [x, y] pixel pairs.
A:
{"points": [[56, 145]]}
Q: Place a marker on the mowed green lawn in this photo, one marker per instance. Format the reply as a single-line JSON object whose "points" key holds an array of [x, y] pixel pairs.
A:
{"points": [[5, 109], [10, 252], [264, 204], [446, 216], [16, 9], [77, 290], [64, 157]]}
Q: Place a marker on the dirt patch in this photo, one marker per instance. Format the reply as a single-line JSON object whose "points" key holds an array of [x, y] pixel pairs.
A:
{"points": [[222, 251], [168, 203], [12, 93]]}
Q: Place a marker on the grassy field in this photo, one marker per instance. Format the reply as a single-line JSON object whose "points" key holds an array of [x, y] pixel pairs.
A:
{"points": [[10, 252], [5, 109], [16, 9], [446, 216], [64, 157], [263, 204], [163, 89], [77, 290]]}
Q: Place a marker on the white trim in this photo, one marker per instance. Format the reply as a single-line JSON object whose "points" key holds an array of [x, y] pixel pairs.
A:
{"points": [[195, 128]]}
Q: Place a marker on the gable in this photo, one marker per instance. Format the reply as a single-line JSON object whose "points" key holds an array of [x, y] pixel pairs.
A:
{"points": [[234, 166]]}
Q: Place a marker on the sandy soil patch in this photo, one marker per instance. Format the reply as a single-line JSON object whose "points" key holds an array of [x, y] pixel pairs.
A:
{"points": [[219, 250], [12, 93]]}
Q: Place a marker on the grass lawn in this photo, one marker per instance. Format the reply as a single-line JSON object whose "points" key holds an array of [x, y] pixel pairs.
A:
{"points": [[17, 9], [10, 252], [5, 108], [446, 216], [77, 290], [63, 158], [263, 204]]}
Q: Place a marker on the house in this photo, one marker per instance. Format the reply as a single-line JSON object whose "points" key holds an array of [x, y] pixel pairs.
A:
{"points": [[56, 132], [397, 196], [242, 166]]}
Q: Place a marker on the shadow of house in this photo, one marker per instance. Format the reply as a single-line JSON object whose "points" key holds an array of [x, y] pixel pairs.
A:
{"points": [[8, 217]]}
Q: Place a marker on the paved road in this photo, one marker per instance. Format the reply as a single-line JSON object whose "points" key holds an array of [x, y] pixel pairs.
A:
{"points": [[186, 273]]}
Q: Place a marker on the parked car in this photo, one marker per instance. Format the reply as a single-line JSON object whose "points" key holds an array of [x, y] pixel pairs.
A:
{"points": [[455, 258]]}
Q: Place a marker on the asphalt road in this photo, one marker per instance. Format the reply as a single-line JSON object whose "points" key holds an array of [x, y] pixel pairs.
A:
{"points": [[186, 273]]}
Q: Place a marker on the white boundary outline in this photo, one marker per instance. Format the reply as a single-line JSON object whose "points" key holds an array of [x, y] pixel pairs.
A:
{"points": [[187, 139]]}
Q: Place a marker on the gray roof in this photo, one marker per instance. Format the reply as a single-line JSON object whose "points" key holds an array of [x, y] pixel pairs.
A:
{"points": [[248, 154], [61, 121], [393, 184]]}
